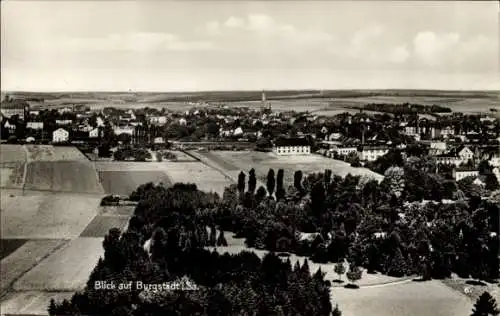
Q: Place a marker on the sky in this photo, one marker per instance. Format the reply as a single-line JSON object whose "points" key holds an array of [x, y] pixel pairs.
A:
{"points": [[243, 45]]}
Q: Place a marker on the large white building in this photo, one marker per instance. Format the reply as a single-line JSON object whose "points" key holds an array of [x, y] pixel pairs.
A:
{"points": [[60, 135], [459, 175], [292, 146], [372, 153]]}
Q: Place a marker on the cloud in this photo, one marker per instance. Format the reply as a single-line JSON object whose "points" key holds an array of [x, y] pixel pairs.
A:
{"points": [[431, 48], [452, 52], [399, 54], [144, 42], [264, 26], [234, 22], [213, 27]]}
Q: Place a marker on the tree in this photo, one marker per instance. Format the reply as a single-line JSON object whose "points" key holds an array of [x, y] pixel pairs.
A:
{"points": [[354, 274], [397, 266], [52, 307], [336, 311], [491, 182], [339, 269], [297, 180], [271, 182], [221, 241], [261, 194], [241, 183], [485, 306], [252, 181], [280, 189]]}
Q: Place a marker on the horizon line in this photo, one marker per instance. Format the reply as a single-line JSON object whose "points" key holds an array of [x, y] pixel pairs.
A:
{"points": [[244, 90]]}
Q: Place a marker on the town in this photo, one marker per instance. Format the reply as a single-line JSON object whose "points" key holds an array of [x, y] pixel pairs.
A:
{"points": [[250, 158], [458, 143]]}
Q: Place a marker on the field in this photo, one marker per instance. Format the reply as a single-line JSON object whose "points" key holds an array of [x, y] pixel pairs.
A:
{"points": [[406, 298], [63, 176], [51, 153], [67, 269], [8, 246], [122, 210], [46, 216], [379, 294], [25, 258], [124, 182], [261, 162], [205, 177], [12, 175], [31, 302], [12, 153], [100, 225]]}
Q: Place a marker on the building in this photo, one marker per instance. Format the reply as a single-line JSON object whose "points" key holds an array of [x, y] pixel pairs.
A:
{"points": [[344, 151], [182, 122], [292, 146], [461, 174], [447, 131], [60, 135], [465, 153], [448, 160], [437, 148], [158, 120], [11, 108], [94, 133], [64, 122], [372, 153], [124, 129], [34, 125]]}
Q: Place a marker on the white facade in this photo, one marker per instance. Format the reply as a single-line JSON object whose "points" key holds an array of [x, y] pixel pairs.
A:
{"points": [[34, 125], [372, 154], [459, 175], [182, 121], [63, 122], [60, 136], [124, 130], [158, 120], [439, 146], [94, 133], [495, 161], [345, 151], [449, 160], [447, 131], [292, 150], [466, 154]]}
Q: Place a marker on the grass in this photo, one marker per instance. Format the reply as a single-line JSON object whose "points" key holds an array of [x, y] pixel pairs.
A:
{"points": [[408, 298], [46, 216], [51, 153], [12, 153], [101, 225], [205, 177], [8, 246], [25, 258], [122, 210], [31, 302], [473, 289], [63, 176], [67, 269], [124, 182], [262, 162]]}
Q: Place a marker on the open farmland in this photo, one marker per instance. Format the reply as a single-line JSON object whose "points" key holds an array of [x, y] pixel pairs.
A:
{"points": [[67, 269], [12, 175], [46, 216], [124, 182], [12, 153], [63, 176], [205, 177], [31, 302], [101, 225], [54, 153], [8, 246], [25, 258], [262, 162], [407, 298]]}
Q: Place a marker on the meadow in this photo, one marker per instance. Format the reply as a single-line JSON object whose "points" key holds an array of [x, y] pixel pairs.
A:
{"points": [[101, 225], [205, 177], [67, 269], [31, 302], [25, 258], [58, 216], [124, 182], [63, 176], [263, 161], [53, 153]]}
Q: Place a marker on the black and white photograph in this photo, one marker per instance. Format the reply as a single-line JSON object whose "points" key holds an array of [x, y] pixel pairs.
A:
{"points": [[250, 158]]}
